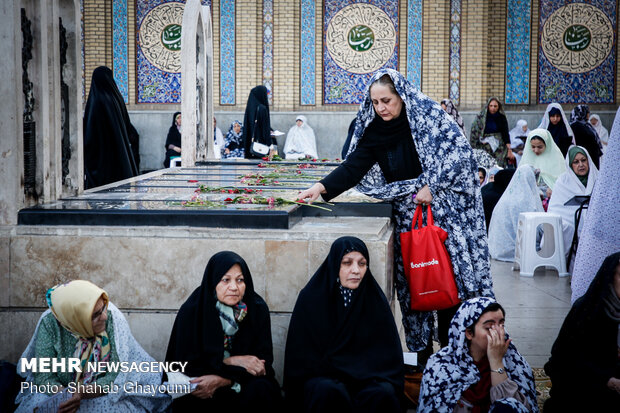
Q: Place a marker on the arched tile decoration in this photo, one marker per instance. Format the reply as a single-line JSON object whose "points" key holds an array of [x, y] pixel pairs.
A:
{"points": [[518, 29], [577, 51], [227, 52], [414, 42], [455, 51], [268, 48], [119, 47], [308, 72]]}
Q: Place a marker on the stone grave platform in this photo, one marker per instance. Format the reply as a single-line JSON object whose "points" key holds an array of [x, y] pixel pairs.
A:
{"points": [[128, 239]]}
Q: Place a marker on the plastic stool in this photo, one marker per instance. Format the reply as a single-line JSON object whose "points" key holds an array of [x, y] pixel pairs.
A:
{"points": [[175, 162], [551, 253]]}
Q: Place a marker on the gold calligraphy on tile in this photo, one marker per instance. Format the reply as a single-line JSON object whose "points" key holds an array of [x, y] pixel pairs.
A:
{"points": [[577, 38], [360, 38], [160, 36]]}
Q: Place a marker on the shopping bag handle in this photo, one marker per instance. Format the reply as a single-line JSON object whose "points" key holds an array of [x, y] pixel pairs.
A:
{"points": [[418, 216]]}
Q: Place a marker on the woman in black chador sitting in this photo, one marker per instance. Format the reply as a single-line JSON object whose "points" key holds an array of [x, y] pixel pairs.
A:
{"points": [[585, 359], [343, 352], [223, 332]]}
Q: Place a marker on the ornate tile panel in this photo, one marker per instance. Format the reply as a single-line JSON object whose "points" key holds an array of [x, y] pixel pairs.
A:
{"points": [[577, 51], [158, 48], [268, 47], [119, 46], [360, 38], [454, 89], [414, 42], [308, 40], [518, 29], [227, 52]]}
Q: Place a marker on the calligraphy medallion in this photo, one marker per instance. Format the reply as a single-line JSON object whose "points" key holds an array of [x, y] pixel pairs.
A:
{"points": [[160, 36], [360, 38], [577, 38]]}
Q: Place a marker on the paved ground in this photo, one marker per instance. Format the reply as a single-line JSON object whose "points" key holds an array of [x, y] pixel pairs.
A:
{"points": [[535, 308]]}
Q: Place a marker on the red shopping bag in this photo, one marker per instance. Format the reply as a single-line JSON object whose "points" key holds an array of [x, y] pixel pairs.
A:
{"points": [[427, 265]]}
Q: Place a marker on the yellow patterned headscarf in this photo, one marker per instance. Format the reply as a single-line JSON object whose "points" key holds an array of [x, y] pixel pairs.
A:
{"points": [[72, 304]]}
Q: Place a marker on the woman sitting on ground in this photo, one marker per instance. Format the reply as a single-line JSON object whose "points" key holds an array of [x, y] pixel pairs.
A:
{"points": [[300, 141], [518, 136], [601, 131], [585, 134], [173, 140], [543, 154], [343, 352], [223, 332], [578, 180], [233, 143], [554, 120], [82, 323], [493, 191], [584, 366], [521, 195], [480, 370]]}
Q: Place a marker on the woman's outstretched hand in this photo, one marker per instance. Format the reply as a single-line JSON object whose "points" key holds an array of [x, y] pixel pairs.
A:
{"points": [[424, 196], [311, 194]]}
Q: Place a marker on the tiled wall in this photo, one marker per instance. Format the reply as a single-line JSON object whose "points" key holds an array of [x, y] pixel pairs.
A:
{"points": [[271, 42], [582, 68]]}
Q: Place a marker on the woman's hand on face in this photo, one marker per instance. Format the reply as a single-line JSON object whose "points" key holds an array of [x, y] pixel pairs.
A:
{"points": [[72, 405], [497, 345], [549, 192], [424, 196], [312, 193], [614, 384], [251, 364], [207, 385]]}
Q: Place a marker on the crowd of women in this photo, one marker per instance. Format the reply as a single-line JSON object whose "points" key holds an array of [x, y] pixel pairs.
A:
{"points": [[343, 350]]}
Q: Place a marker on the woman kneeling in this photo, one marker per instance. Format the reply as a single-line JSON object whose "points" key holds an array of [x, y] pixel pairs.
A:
{"points": [[223, 332], [343, 352]]}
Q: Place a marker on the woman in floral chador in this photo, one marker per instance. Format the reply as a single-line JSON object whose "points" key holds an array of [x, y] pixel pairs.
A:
{"points": [[480, 370], [405, 144]]}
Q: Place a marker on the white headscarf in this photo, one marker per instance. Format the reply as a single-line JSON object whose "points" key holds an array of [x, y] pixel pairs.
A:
{"points": [[518, 131], [521, 195], [567, 186], [300, 141], [544, 123], [602, 132], [550, 162]]}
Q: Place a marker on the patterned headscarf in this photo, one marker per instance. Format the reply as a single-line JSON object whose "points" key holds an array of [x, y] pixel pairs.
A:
{"points": [[580, 114], [436, 136], [452, 111], [451, 370], [72, 304]]}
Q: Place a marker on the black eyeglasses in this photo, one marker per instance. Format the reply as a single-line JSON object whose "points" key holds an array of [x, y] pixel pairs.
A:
{"points": [[97, 314]]}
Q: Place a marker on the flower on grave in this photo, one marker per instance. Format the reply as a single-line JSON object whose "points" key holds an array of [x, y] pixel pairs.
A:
{"points": [[192, 180], [228, 200]]}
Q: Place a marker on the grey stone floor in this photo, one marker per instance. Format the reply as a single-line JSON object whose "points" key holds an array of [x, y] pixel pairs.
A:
{"points": [[535, 308]]}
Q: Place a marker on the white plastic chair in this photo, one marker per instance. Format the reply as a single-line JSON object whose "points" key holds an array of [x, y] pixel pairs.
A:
{"points": [[551, 252], [175, 162]]}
